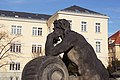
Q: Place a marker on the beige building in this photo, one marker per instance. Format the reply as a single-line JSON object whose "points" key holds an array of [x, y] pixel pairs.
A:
{"points": [[32, 30]]}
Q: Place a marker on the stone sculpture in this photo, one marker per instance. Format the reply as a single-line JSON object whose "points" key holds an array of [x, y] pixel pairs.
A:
{"points": [[77, 50], [45, 68], [79, 58]]}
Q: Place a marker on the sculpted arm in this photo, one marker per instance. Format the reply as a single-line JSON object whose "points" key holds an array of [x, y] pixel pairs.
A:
{"points": [[66, 44], [49, 44]]}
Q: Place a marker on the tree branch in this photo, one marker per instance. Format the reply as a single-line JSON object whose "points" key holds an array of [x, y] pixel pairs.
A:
{"points": [[3, 65]]}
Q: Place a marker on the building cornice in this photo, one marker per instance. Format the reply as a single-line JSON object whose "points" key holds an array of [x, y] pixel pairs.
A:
{"points": [[83, 14], [23, 20]]}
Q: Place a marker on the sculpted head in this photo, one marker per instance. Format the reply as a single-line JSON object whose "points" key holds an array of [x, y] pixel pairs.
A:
{"points": [[61, 27]]}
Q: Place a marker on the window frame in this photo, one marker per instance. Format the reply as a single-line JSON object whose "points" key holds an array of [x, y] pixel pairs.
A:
{"points": [[97, 27], [98, 46], [36, 48], [17, 78], [16, 30], [15, 47], [37, 31], [14, 66], [84, 26], [11, 77]]}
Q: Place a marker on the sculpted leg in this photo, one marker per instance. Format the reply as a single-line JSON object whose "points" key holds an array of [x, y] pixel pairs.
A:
{"points": [[75, 58]]}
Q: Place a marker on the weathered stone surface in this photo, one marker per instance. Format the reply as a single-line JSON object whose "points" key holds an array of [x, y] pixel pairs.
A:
{"points": [[76, 50], [72, 77], [79, 58], [45, 68]]}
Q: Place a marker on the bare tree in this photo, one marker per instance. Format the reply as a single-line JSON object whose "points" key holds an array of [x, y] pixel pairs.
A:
{"points": [[5, 42]]}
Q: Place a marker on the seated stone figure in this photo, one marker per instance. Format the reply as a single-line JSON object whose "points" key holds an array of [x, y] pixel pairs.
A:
{"points": [[77, 50]]}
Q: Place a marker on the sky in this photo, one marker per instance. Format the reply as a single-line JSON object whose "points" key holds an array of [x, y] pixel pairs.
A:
{"points": [[109, 7]]}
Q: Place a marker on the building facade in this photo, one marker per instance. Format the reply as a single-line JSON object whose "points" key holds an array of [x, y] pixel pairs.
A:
{"points": [[32, 30], [114, 47]]}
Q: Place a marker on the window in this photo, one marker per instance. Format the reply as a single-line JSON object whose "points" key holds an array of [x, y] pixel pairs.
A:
{"points": [[14, 66], [83, 26], [16, 30], [97, 27], [37, 31], [34, 31], [98, 47], [17, 78], [15, 48], [19, 29], [11, 78], [2, 14], [36, 49]]}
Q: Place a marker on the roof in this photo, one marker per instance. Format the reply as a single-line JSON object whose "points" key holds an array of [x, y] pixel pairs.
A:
{"points": [[78, 9], [116, 37], [26, 15]]}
